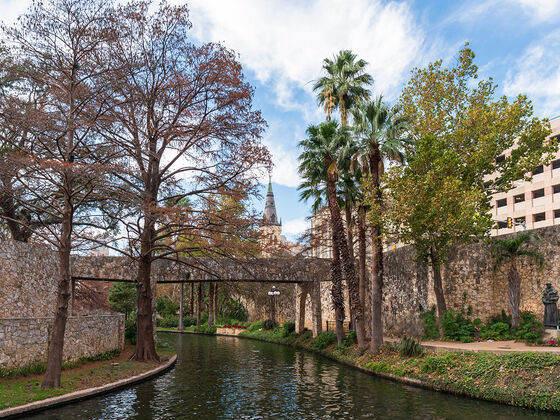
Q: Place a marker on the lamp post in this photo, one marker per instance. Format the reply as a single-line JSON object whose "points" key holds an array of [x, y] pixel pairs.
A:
{"points": [[273, 293]]}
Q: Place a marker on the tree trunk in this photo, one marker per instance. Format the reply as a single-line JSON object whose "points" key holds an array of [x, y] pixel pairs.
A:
{"points": [[438, 283], [191, 309], [210, 303], [350, 241], [347, 262], [215, 303], [337, 293], [376, 260], [514, 292], [56, 341], [145, 343], [181, 303], [198, 304], [362, 250]]}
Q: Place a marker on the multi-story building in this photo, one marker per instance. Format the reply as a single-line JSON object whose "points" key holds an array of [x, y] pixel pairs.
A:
{"points": [[531, 204]]}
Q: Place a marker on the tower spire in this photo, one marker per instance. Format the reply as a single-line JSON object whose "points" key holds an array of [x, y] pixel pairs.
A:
{"points": [[270, 217]]}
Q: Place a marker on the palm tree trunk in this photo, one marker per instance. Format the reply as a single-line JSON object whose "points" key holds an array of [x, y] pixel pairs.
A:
{"points": [[336, 291], [343, 111], [347, 262], [514, 292], [362, 249], [438, 283], [350, 241], [376, 260]]}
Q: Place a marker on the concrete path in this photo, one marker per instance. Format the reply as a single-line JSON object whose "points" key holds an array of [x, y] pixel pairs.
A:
{"points": [[487, 346]]}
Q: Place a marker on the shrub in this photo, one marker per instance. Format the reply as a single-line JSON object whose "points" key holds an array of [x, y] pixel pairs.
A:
{"points": [[206, 329], [496, 331], [130, 330], [269, 324], [189, 321], [235, 310], [408, 347], [255, 326], [166, 307], [529, 329], [287, 328], [324, 339], [430, 325], [169, 321], [457, 327]]}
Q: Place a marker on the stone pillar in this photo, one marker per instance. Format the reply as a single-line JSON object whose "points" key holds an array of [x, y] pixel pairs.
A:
{"points": [[181, 308], [316, 312], [301, 296]]}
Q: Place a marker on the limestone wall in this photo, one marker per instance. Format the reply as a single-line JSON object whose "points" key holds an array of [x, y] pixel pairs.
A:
{"points": [[24, 340], [468, 280]]}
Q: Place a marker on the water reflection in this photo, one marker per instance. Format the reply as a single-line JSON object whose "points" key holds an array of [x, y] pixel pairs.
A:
{"points": [[229, 378]]}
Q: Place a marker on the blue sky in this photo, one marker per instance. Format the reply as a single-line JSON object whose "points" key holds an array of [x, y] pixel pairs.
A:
{"points": [[281, 44]]}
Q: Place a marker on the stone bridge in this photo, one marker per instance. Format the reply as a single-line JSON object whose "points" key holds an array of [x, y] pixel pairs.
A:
{"points": [[305, 273]]}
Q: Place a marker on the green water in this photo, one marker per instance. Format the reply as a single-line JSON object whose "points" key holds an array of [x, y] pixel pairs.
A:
{"points": [[231, 378]]}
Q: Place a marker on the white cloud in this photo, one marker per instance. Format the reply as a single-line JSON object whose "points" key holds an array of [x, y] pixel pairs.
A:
{"points": [[284, 42], [285, 171], [295, 227], [538, 11], [536, 74]]}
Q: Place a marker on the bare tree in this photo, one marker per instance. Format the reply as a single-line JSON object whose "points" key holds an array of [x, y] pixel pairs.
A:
{"points": [[183, 115], [59, 168]]}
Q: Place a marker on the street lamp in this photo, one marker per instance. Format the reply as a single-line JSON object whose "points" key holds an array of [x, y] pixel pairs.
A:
{"points": [[273, 293]]}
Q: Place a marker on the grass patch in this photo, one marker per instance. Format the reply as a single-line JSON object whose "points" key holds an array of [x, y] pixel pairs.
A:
{"points": [[85, 373]]}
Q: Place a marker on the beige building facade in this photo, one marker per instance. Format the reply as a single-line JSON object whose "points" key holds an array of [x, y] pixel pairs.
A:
{"points": [[531, 204]]}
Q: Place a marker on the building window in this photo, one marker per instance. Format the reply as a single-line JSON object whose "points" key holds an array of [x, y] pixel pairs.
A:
{"points": [[519, 198], [538, 170], [556, 189], [502, 202], [539, 217], [557, 214], [520, 219], [556, 164], [538, 193], [502, 225], [500, 158]]}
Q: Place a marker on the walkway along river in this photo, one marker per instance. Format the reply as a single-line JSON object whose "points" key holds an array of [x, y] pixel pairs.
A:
{"points": [[232, 378]]}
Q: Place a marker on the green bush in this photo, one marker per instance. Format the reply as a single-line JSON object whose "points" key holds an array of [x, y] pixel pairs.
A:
{"points": [[189, 321], [457, 327], [169, 321], [269, 324], [408, 347], [206, 329], [130, 330], [324, 339], [287, 329], [529, 328], [496, 331], [235, 310], [166, 307], [255, 326], [430, 325]]}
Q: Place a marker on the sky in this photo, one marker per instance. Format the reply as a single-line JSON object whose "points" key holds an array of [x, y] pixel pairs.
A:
{"points": [[282, 43]]}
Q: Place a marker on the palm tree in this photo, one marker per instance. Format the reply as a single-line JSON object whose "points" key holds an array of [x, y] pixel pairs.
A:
{"points": [[381, 138], [344, 85], [511, 250], [318, 162]]}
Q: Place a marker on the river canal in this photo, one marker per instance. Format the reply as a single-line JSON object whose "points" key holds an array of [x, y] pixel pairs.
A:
{"points": [[232, 378]]}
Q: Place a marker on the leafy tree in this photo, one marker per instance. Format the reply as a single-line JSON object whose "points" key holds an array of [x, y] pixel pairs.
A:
{"points": [[443, 196], [344, 85], [509, 251], [319, 158], [122, 298], [381, 137]]}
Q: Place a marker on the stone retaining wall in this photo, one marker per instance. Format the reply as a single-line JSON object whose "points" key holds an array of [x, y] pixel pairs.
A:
{"points": [[24, 340]]}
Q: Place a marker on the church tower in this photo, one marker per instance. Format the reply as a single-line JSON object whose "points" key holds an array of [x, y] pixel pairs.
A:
{"points": [[272, 225]]}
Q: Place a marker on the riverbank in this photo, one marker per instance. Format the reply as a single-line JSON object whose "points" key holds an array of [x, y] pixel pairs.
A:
{"points": [[23, 386], [523, 379]]}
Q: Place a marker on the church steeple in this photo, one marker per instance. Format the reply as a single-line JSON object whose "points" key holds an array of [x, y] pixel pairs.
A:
{"points": [[270, 217]]}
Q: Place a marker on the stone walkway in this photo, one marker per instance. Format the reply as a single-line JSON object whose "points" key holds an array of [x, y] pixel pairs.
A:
{"points": [[487, 346]]}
